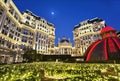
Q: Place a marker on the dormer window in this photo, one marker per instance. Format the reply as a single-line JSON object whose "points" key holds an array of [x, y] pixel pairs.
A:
{"points": [[5, 1], [28, 17], [27, 22]]}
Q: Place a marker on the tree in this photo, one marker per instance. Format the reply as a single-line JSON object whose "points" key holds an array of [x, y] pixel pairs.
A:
{"points": [[31, 55]]}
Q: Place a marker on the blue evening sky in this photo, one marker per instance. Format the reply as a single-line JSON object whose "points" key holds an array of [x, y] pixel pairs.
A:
{"points": [[65, 14]]}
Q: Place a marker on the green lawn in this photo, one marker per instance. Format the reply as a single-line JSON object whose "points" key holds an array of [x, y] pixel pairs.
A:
{"points": [[66, 71]]}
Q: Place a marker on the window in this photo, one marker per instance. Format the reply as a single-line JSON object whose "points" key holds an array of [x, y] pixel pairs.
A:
{"points": [[10, 35], [5, 1], [17, 39], [18, 35], [4, 32], [24, 39], [43, 21], [35, 46], [16, 17], [31, 34], [18, 29], [8, 20], [28, 17], [2, 42], [36, 39], [25, 31], [37, 34], [27, 22], [12, 31], [0, 12], [14, 38]]}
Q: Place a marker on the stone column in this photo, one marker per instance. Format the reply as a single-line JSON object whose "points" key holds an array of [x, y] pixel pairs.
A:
{"points": [[5, 43], [62, 51], [2, 16], [3, 60], [16, 58], [2, 21]]}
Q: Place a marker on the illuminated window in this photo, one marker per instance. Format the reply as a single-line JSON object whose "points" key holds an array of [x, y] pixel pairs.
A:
{"points": [[28, 17], [25, 31], [5, 1], [24, 39], [4, 32], [10, 35], [27, 22]]}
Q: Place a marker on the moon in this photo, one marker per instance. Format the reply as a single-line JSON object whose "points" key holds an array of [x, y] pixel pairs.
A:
{"points": [[52, 13]]}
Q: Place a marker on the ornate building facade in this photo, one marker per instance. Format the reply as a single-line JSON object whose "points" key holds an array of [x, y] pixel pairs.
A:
{"points": [[43, 31], [86, 33], [64, 47], [21, 31]]}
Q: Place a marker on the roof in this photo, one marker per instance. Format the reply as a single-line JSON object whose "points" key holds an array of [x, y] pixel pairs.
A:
{"points": [[77, 26], [105, 49], [106, 29], [50, 24], [94, 20], [64, 40], [37, 17]]}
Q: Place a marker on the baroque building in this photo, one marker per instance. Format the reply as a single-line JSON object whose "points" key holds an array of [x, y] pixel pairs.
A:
{"points": [[87, 32], [21, 31], [44, 32], [64, 47]]}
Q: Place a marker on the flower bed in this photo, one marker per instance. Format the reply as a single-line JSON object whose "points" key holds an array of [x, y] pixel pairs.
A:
{"points": [[68, 71]]}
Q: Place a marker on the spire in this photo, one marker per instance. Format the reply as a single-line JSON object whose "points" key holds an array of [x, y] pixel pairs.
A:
{"points": [[58, 40]]}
